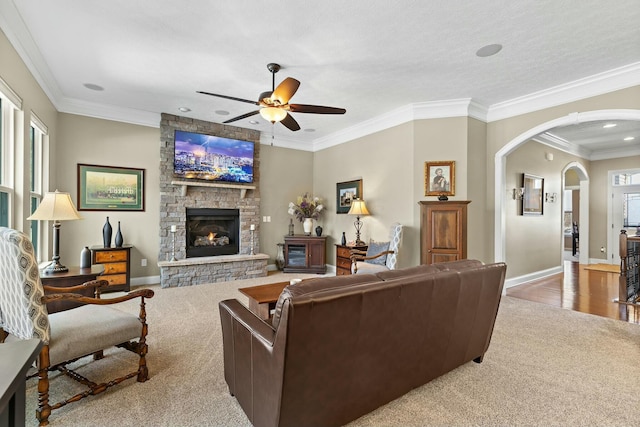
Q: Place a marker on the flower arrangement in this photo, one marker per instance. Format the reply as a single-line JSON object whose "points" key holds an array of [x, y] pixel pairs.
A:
{"points": [[306, 207]]}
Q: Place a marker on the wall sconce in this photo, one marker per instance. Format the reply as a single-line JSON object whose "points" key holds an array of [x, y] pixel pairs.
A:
{"points": [[550, 197], [518, 193]]}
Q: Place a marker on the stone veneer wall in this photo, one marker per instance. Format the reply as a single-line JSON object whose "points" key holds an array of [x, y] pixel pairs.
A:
{"points": [[173, 206]]}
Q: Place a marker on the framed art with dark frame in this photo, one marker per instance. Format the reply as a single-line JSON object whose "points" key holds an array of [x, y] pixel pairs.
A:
{"points": [[440, 178], [110, 188], [345, 193], [532, 196]]}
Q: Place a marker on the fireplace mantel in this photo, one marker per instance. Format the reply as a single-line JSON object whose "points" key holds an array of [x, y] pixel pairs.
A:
{"points": [[184, 184]]}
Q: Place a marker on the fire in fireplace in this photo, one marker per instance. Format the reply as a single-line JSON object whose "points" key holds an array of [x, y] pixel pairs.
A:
{"points": [[212, 232]]}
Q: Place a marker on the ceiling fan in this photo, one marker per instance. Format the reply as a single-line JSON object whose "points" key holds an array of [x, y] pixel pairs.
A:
{"points": [[275, 105]]}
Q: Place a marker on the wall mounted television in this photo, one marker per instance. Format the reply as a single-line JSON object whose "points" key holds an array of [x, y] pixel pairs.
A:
{"points": [[212, 158]]}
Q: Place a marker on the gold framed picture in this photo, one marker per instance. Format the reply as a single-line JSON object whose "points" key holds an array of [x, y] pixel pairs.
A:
{"points": [[440, 178]]}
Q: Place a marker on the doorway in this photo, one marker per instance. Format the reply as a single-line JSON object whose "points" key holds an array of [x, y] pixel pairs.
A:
{"points": [[623, 210], [575, 212]]}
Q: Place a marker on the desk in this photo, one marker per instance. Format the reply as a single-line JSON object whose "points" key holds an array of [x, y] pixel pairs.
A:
{"points": [[75, 276], [15, 360]]}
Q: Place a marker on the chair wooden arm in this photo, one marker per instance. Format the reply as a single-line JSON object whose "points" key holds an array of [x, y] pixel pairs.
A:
{"points": [[75, 288], [357, 257], [144, 293]]}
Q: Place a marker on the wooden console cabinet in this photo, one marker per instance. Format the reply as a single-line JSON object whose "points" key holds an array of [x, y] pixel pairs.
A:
{"points": [[305, 254], [443, 231], [117, 266], [343, 258]]}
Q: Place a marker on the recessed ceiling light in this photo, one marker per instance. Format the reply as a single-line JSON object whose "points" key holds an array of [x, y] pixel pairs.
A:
{"points": [[222, 112], [489, 50], [184, 109], [93, 86], [610, 125], [253, 122], [629, 138]]}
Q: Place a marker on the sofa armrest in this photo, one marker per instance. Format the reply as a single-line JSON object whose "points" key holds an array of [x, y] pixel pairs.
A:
{"points": [[258, 327]]}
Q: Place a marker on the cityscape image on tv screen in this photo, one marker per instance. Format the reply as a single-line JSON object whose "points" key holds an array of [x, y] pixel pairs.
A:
{"points": [[212, 158]]}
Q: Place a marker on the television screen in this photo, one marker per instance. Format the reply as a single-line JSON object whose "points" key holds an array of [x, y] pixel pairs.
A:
{"points": [[212, 158]]}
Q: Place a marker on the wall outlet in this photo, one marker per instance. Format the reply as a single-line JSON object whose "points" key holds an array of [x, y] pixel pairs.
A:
{"points": [[143, 262]]}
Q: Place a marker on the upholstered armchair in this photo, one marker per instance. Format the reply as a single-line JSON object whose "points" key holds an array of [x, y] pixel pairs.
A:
{"points": [[379, 256], [67, 335]]}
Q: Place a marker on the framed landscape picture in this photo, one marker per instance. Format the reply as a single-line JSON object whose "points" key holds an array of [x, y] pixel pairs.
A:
{"points": [[346, 192], [110, 188], [440, 178]]}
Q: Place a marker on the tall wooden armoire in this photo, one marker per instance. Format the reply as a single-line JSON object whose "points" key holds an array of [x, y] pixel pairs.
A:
{"points": [[443, 231]]}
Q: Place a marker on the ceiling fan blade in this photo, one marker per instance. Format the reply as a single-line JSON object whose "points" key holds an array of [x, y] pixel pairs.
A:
{"points": [[316, 109], [244, 116], [290, 123], [285, 90], [233, 98]]}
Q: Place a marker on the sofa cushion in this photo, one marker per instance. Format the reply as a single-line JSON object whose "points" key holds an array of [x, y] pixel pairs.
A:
{"points": [[310, 286], [374, 249]]}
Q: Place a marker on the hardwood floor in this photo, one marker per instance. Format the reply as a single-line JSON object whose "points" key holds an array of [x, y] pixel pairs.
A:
{"points": [[578, 289]]}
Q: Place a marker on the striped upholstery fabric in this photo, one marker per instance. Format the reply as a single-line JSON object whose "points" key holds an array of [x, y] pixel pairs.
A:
{"points": [[21, 312]]}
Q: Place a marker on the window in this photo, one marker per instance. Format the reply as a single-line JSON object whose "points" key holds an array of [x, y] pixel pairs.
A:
{"points": [[7, 142], [626, 179], [38, 139], [631, 209]]}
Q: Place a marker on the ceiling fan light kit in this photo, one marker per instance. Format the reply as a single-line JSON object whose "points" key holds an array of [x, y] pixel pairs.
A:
{"points": [[273, 114], [274, 105]]}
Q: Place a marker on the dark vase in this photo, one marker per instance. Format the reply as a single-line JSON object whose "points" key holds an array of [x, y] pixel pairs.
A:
{"points": [[106, 234], [318, 231], [344, 239], [119, 239], [280, 257], [291, 227], [85, 258]]}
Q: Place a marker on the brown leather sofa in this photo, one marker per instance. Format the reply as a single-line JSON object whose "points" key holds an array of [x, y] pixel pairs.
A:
{"points": [[340, 347]]}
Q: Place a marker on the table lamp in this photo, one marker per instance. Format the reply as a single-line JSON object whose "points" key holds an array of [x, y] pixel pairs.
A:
{"points": [[358, 208], [56, 207]]}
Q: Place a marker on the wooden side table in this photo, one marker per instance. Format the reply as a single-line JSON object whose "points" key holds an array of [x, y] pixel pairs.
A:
{"points": [[117, 266], [343, 258], [75, 276]]}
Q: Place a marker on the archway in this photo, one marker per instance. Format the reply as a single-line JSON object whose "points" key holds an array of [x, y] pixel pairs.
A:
{"points": [[500, 173], [583, 177]]}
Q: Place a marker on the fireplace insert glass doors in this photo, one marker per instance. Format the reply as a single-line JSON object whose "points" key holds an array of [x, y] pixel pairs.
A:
{"points": [[212, 232]]}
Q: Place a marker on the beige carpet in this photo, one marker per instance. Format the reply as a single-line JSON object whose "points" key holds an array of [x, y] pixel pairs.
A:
{"points": [[609, 268], [545, 367]]}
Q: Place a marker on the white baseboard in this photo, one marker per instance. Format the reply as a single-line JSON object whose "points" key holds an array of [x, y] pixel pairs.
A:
{"points": [[515, 281]]}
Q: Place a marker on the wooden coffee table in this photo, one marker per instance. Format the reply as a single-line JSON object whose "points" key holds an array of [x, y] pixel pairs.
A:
{"points": [[263, 298]]}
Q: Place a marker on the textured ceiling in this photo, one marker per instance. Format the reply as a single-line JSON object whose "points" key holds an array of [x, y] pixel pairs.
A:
{"points": [[370, 57]]}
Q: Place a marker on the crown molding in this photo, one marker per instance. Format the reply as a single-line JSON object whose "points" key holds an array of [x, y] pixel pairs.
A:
{"points": [[562, 144], [598, 84], [284, 142], [110, 112], [408, 113], [16, 31]]}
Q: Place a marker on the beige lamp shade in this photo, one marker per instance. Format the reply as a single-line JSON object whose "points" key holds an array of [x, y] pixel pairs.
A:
{"points": [[56, 206], [358, 207], [273, 114]]}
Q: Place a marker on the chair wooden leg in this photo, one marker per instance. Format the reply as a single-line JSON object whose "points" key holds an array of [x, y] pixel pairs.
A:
{"points": [[143, 371], [44, 409]]}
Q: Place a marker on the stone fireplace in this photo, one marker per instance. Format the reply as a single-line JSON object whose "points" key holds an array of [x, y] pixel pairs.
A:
{"points": [[187, 205]]}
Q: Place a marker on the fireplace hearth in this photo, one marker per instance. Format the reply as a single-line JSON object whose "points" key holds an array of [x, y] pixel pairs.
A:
{"points": [[212, 232]]}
